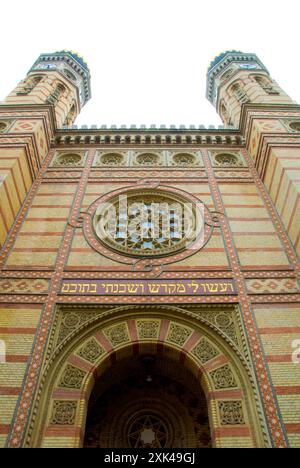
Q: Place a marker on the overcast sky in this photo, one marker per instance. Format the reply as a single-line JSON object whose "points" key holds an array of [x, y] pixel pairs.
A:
{"points": [[148, 59]]}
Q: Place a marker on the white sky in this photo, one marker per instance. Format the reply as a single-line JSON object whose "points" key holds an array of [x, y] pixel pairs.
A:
{"points": [[148, 58]]}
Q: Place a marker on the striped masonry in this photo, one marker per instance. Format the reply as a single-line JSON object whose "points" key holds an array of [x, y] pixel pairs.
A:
{"points": [[279, 327]]}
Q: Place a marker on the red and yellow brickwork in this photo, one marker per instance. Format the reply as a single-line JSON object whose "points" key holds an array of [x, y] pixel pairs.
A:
{"points": [[238, 345]]}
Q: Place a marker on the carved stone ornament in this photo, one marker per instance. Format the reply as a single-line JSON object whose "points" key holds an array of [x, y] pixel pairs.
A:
{"points": [[231, 413], [223, 378], [72, 377], [204, 351], [64, 413]]}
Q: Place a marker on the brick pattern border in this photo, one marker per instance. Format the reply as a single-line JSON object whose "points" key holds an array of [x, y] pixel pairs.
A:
{"points": [[270, 403]]}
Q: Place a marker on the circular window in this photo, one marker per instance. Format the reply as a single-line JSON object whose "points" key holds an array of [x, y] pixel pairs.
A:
{"points": [[295, 126], [3, 127], [147, 431], [227, 159], [68, 159], [147, 223], [112, 159], [184, 159], [147, 159], [69, 74]]}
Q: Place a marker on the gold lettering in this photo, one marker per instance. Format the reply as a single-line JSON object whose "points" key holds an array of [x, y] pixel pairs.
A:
{"points": [[212, 287], [108, 287], [194, 286], [154, 288], [65, 288], [181, 288], [73, 288], [133, 288]]}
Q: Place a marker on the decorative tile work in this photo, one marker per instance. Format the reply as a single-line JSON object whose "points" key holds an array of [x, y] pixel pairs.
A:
{"points": [[24, 286], [273, 286], [152, 174], [233, 175], [62, 175]]}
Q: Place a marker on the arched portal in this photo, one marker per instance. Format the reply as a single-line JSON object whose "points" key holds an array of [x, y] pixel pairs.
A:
{"points": [[114, 353], [147, 401]]}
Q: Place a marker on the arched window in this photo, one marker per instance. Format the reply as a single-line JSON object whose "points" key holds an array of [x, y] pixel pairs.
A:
{"points": [[265, 84], [224, 114], [30, 84], [56, 94], [71, 116], [240, 93]]}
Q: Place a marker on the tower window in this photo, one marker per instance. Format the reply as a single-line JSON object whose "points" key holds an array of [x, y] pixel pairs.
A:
{"points": [[240, 94], [266, 85], [56, 94], [30, 84], [3, 127], [295, 126]]}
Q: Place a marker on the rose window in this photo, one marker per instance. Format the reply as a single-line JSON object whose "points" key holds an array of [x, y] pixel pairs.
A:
{"points": [[147, 431], [2, 127], [227, 159], [68, 160], [147, 159], [184, 159], [146, 223], [295, 126], [111, 159]]}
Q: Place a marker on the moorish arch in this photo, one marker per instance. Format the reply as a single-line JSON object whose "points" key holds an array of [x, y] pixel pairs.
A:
{"points": [[200, 351]]}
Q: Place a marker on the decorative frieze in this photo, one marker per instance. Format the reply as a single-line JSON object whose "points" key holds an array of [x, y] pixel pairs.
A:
{"points": [[272, 286], [24, 286]]}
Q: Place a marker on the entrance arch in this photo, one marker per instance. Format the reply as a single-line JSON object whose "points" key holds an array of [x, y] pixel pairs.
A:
{"points": [[165, 333], [147, 401]]}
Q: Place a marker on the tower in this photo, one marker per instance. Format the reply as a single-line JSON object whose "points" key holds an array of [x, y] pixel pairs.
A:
{"points": [[55, 89], [245, 96], [61, 80]]}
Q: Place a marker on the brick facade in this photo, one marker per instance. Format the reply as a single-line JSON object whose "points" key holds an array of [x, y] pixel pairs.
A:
{"points": [[50, 179]]}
